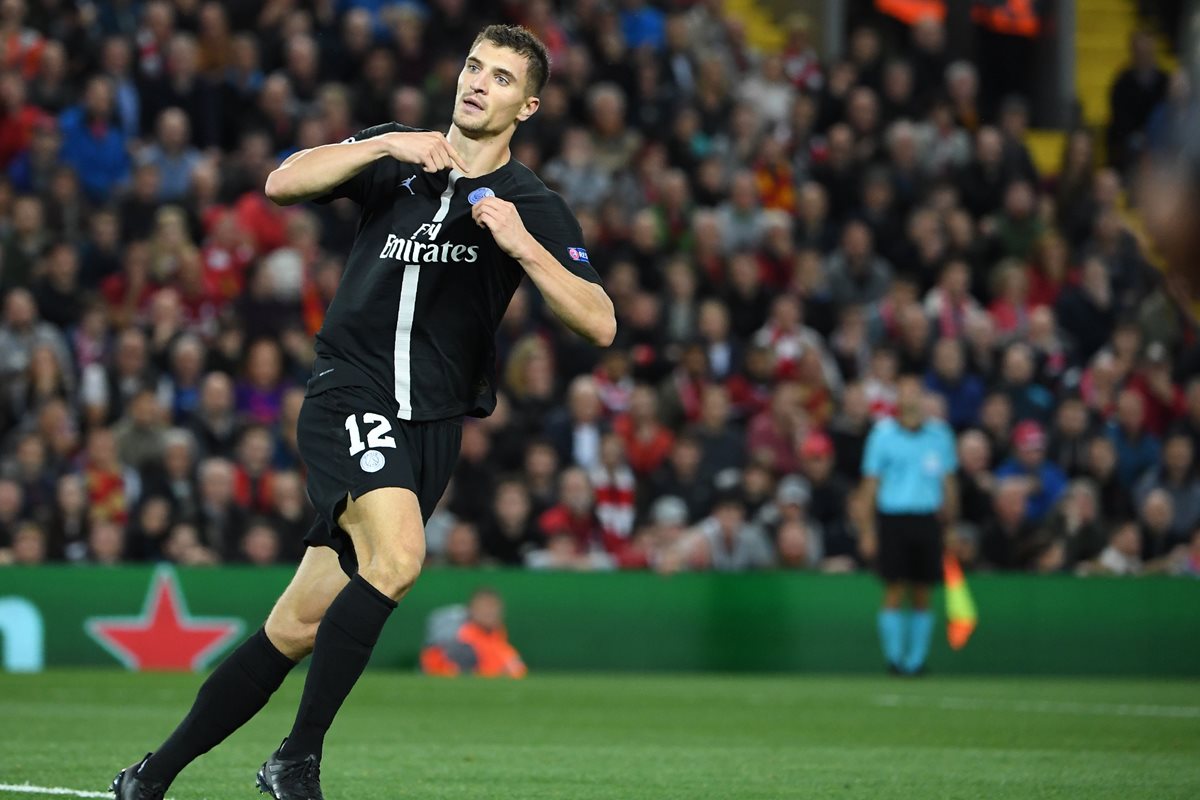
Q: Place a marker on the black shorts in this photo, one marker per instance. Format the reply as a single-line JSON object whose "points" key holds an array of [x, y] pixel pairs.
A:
{"points": [[351, 442], [910, 548]]}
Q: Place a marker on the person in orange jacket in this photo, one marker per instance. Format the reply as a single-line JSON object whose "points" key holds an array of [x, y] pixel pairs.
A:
{"points": [[477, 645]]}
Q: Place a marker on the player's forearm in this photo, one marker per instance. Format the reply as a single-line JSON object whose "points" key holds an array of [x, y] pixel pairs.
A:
{"points": [[582, 305], [311, 173]]}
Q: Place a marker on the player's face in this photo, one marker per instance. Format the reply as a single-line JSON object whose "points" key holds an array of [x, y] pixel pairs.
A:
{"points": [[492, 94]]}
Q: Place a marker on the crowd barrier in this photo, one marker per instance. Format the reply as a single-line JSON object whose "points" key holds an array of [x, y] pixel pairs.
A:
{"points": [[164, 618]]}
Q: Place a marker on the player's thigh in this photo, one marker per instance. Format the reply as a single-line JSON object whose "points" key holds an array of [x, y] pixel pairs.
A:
{"points": [[386, 528], [292, 623]]}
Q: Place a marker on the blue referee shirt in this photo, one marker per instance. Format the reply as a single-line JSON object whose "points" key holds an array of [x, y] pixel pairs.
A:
{"points": [[910, 465]]}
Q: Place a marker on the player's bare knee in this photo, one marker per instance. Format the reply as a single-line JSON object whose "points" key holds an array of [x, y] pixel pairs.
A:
{"points": [[291, 636], [392, 573]]}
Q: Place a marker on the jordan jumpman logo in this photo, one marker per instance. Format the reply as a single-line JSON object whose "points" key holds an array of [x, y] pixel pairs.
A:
{"points": [[407, 184]]}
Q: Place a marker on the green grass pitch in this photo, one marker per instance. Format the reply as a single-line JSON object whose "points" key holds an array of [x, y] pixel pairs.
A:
{"points": [[662, 737]]}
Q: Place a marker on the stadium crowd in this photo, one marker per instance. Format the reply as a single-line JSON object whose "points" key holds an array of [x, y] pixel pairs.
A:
{"points": [[782, 236]]}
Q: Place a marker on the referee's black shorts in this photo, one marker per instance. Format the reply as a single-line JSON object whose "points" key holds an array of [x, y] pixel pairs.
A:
{"points": [[910, 548], [351, 442]]}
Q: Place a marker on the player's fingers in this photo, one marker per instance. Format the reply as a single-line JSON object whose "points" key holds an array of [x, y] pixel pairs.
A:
{"points": [[438, 158]]}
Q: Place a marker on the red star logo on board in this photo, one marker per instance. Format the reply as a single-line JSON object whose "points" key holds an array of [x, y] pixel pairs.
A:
{"points": [[165, 636]]}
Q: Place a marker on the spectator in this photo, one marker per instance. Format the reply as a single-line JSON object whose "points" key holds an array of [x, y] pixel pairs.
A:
{"points": [[829, 492], [1076, 524], [857, 275], [1030, 399], [1137, 449], [219, 521], [139, 433], [726, 542], [666, 536], [22, 331], [798, 547], [1176, 476], [69, 523], [577, 430], [963, 392], [1154, 517], [574, 517], [29, 546], [721, 448], [1122, 556], [950, 304], [260, 544], [510, 534], [647, 442], [462, 546], [849, 429], [93, 144], [1069, 436], [1161, 398], [976, 483], [1045, 482], [615, 490], [1136, 91], [172, 155], [772, 434], [1009, 539], [106, 543]]}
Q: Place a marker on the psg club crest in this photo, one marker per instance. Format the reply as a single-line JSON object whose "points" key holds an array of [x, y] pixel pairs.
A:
{"points": [[480, 193], [165, 636]]}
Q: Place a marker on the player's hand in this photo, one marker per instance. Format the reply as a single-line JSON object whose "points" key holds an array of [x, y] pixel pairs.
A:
{"points": [[501, 219], [430, 149]]}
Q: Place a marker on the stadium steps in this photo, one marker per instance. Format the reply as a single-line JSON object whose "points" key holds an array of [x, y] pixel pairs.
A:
{"points": [[1102, 30], [763, 31]]}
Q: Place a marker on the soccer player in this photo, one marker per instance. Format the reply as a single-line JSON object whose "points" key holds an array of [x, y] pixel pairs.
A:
{"points": [[908, 478], [449, 227]]}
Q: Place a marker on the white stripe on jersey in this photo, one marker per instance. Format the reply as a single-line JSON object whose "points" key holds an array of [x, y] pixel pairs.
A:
{"points": [[401, 355]]}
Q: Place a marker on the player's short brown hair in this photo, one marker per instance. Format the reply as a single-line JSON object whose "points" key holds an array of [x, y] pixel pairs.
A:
{"points": [[523, 42]]}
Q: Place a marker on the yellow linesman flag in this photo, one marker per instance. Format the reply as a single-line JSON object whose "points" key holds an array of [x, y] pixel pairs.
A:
{"points": [[960, 608]]}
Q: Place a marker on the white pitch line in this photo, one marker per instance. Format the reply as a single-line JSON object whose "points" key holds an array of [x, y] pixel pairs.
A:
{"points": [[1040, 706], [30, 789]]}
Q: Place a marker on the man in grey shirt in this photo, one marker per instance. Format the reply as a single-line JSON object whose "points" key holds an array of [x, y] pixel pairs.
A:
{"points": [[726, 542]]}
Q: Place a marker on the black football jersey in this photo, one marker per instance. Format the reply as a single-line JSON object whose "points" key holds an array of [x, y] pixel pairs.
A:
{"points": [[424, 287]]}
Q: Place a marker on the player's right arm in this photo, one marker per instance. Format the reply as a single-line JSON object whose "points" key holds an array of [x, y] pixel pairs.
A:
{"points": [[319, 170]]}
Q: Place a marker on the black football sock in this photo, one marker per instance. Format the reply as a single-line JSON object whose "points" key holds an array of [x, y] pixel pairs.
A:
{"points": [[236, 690], [345, 639]]}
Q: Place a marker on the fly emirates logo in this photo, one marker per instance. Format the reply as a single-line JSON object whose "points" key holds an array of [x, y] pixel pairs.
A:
{"points": [[411, 251]]}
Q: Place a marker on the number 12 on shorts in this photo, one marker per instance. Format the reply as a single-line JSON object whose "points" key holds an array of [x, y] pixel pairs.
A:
{"points": [[376, 436]]}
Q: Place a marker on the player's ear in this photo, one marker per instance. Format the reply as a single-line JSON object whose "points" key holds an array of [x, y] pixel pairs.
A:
{"points": [[527, 110]]}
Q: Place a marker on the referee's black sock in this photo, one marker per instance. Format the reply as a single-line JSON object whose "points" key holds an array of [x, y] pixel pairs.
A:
{"points": [[236, 690], [345, 639]]}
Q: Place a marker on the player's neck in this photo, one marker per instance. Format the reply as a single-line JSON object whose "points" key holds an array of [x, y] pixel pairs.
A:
{"points": [[484, 155]]}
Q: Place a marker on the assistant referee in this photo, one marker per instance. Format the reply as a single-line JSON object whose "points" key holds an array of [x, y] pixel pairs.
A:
{"points": [[911, 496]]}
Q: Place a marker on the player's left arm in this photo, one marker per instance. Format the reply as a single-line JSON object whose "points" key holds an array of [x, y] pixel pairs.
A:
{"points": [[580, 303]]}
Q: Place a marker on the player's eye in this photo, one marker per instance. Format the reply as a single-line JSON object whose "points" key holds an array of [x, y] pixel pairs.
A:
{"points": [[503, 80], [472, 68]]}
